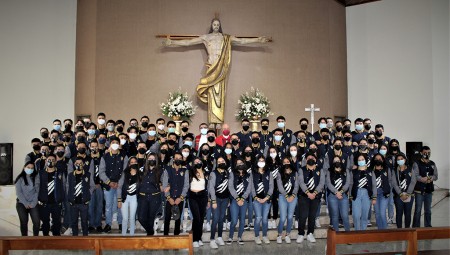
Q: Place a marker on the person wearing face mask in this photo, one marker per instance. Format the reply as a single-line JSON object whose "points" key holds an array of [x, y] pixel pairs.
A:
{"points": [[177, 178], [68, 123], [238, 152], [322, 123], [141, 155], [133, 141], [144, 124], [51, 195], [230, 156], [367, 126], [325, 141], [394, 149], [274, 165], [111, 169], [171, 127], [371, 143], [219, 196], [239, 186], [82, 153], [186, 134], [111, 129], [262, 189], [187, 156], [265, 134], [79, 187], [225, 136], [188, 140], [102, 142], [257, 145], [358, 133], [27, 185], [288, 188], [79, 125], [45, 151], [294, 157], [149, 202], [120, 124], [287, 133], [426, 174], [127, 195], [124, 143], [308, 137], [337, 151], [61, 165], [68, 137], [330, 125], [71, 149], [338, 130], [248, 157], [363, 149], [347, 146], [311, 180], [150, 138], [133, 123], [36, 153], [172, 139], [279, 142], [200, 139], [245, 135], [403, 183], [363, 191], [215, 150], [96, 203], [54, 140], [338, 180], [383, 185], [160, 125], [45, 136], [380, 137], [91, 133], [302, 142], [101, 121]]}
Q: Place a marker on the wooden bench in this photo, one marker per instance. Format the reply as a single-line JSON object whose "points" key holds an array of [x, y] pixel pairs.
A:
{"points": [[410, 235], [97, 243]]}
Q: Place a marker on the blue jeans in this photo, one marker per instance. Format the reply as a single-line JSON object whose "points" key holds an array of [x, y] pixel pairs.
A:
{"points": [[360, 207], [380, 209], [111, 206], [391, 205], [250, 210], [96, 208], [338, 208], [286, 211], [219, 217], [424, 199], [261, 215], [237, 212], [402, 208], [67, 221], [129, 208]]}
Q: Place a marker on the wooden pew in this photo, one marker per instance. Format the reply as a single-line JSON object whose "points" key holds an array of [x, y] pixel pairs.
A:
{"points": [[97, 243], [410, 235]]}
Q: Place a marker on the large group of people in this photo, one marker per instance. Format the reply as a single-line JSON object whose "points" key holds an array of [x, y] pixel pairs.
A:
{"points": [[144, 171]]}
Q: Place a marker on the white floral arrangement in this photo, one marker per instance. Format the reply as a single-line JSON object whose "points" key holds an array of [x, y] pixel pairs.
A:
{"points": [[253, 105], [178, 106]]}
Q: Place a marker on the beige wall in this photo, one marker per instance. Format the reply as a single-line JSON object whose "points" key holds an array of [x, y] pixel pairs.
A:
{"points": [[123, 70]]}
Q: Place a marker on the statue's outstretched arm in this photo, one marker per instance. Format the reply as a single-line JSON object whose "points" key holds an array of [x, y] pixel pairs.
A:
{"points": [[186, 42], [242, 41]]}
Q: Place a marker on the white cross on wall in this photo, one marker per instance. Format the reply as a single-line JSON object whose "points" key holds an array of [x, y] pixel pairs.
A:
{"points": [[312, 109]]}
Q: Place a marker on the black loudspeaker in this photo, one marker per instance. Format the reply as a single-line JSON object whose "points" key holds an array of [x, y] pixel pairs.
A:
{"points": [[6, 163], [413, 151]]}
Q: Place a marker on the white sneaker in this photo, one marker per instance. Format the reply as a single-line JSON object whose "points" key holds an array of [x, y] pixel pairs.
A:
{"points": [[287, 239], [155, 225], [208, 227], [230, 241], [68, 232], [213, 245], [200, 243], [240, 241], [279, 240], [266, 240], [311, 238], [189, 228], [195, 245], [296, 224], [162, 227], [224, 226], [300, 239], [220, 241], [228, 225], [257, 240], [318, 223]]}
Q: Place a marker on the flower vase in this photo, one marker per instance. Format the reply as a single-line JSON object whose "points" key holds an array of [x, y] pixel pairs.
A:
{"points": [[254, 123], [177, 120]]}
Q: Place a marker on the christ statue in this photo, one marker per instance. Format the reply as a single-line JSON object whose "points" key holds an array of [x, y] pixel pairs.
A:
{"points": [[212, 86]]}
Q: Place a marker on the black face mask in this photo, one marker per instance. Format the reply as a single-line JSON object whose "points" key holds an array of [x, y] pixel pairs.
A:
{"points": [[134, 166], [177, 162], [184, 129], [347, 138], [36, 147], [362, 147], [338, 147], [378, 133], [241, 167], [304, 127], [67, 139], [287, 166], [205, 152], [198, 165], [371, 141], [50, 164], [152, 162], [211, 139], [426, 156], [163, 151], [222, 166], [144, 124], [245, 128], [311, 162], [367, 127], [60, 154], [82, 150], [44, 135], [265, 127], [94, 150], [255, 140], [142, 150], [235, 142], [325, 137], [247, 153], [171, 142], [313, 150], [394, 148], [80, 139], [339, 128], [119, 129], [378, 162], [346, 127], [68, 127]]}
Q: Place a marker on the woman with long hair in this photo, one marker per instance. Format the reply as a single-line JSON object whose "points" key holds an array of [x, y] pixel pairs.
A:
{"points": [[127, 195], [198, 199]]}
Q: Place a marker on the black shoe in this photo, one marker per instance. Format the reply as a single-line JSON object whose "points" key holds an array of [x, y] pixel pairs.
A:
{"points": [[107, 229], [91, 229], [120, 227], [99, 229]]}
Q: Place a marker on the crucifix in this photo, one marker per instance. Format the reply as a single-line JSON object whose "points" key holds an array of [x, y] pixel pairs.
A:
{"points": [[212, 87], [312, 109]]}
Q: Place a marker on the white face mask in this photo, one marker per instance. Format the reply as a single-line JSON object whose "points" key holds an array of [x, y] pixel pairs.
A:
{"points": [[273, 155], [278, 138], [114, 146], [123, 141], [228, 151], [261, 164], [203, 131], [132, 136], [185, 154], [110, 128], [161, 127], [101, 121], [151, 132], [281, 124], [293, 153]]}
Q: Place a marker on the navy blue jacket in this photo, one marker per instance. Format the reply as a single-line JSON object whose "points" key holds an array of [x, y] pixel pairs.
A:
{"points": [[87, 187], [58, 186], [178, 181]]}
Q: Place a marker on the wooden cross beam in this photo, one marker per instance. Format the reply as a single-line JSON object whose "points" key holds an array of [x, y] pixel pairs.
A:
{"points": [[182, 37]]}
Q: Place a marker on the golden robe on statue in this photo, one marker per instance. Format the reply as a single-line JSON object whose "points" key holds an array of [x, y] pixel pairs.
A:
{"points": [[212, 87]]}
